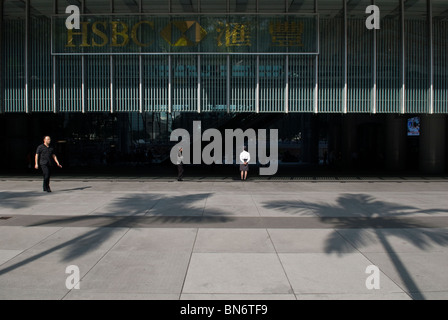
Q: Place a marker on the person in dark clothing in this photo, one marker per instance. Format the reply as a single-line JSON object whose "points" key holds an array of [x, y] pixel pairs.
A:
{"points": [[180, 166], [43, 159]]}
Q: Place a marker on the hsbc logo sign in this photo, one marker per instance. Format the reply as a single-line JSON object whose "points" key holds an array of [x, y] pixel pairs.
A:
{"points": [[183, 33]]}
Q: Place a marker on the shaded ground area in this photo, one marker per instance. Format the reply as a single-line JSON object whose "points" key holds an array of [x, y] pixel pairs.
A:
{"points": [[224, 239]]}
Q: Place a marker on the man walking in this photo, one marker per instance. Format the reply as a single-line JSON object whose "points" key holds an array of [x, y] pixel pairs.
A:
{"points": [[180, 166], [43, 158]]}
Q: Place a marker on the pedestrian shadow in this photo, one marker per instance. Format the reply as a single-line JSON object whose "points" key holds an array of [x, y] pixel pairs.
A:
{"points": [[75, 189], [372, 221], [104, 227]]}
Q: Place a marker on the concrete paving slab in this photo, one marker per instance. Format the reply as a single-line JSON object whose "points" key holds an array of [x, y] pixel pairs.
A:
{"points": [[32, 294], [259, 197], [89, 295], [177, 204], [31, 270], [230, 198], [332, 274], [371, 204], [182, 199], [357, 296], [174, 211], [284, 209], [318, 203], [64, 209], [6, 255], [232, 273], [397, 240], [12, 198], [22, 207], [233, 240], [128, 205], [231, 209], [308, 241], [248, 297], [311, 227], [44, 265], [414, 272], [389, 208], [22, 238], [432, 295], [138, 272], [157, 240], [188, 184], [232, 186], [76, 240]]}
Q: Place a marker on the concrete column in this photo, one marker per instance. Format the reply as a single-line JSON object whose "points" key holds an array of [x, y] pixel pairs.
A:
{"points": [[395, 148], [432, 144]]}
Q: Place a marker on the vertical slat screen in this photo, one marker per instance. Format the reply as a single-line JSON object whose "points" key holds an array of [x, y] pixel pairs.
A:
{"points": [[41, 65], [70, 84], [272, 75], [388, 66], [126, 83], [243, 83], [417, 66], [185, 83], [441, 66], [213, 93], [360, 59], [214, 83], [331, 65], [155, 83], [98, 83], [301, 83], [14, 68]]}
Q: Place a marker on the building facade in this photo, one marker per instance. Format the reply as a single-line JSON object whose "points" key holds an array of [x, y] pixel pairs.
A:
{"points": [[137, 69]]}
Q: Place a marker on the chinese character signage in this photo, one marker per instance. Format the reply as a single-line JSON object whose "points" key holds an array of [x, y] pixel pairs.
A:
{"points": [[198, 34]]}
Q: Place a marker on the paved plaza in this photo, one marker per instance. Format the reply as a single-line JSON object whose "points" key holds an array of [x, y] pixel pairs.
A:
{"points": [[224, 239]]}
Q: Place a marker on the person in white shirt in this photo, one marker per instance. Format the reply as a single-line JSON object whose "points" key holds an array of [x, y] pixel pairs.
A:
{"points": [[244, 165]]}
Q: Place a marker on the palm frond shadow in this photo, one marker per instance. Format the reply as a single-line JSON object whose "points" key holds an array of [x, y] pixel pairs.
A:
{"points": [[369, 221], [124, 215]]}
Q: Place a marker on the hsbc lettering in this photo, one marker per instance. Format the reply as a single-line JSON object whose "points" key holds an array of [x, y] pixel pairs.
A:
{"points": [[127, 34], [120, 34], [217, 34]]}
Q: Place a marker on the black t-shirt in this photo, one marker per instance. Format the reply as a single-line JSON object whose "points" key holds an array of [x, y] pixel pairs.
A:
{"points": [[45, 155]]}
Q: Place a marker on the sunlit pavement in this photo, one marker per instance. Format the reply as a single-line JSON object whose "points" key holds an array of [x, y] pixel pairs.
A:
{"points": [[224, 239]]}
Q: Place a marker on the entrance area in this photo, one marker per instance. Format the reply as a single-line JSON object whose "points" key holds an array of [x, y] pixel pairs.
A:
{"points": [[350, 143]]}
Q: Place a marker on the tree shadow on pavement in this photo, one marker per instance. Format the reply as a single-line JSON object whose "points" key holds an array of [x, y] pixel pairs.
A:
{"points": [[103, 227], [19, 199], [373, 221]]}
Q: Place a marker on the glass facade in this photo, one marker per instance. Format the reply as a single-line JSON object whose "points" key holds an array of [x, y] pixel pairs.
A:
{"points": [[218, 55], [136, 70]]}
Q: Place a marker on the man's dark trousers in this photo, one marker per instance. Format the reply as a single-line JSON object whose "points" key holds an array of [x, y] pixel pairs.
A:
{"points": [[180, 171], [46, 170]]}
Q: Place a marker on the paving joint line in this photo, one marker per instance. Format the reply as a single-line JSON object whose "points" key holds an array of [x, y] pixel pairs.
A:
{"points": [[188, 265], [368, 259], [281, 263], [99, 260]]}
